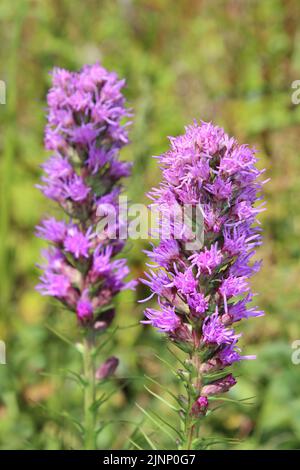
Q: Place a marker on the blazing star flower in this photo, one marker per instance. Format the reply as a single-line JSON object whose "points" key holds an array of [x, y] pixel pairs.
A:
{"points": [[215, 332], [52, 230], [207, 260], [164, 320], [204, 289], [165, 254], [56, 285], [85, 134], [197, 303]]}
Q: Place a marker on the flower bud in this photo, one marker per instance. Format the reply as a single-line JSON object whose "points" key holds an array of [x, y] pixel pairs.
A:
{"points": [[219, 386], [107, 368], [199, 408]]}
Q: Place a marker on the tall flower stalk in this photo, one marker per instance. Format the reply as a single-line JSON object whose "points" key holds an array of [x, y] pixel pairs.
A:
{"points": [[204, 292], [85, 133]]}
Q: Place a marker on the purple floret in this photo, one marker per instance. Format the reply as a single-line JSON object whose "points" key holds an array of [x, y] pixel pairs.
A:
{"points": [[164, 320]]}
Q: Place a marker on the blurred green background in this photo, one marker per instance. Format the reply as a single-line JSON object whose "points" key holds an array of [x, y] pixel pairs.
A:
{"points": [[232, 62]]}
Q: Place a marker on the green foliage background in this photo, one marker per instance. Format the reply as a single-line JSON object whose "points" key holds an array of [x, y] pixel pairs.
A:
{"points": [[231, 62]]}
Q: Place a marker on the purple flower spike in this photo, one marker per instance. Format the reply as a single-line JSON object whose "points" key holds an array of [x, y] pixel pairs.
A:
{"points": [[85, 132], [203, 290]]}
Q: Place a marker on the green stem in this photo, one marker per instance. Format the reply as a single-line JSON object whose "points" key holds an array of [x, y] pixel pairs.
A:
{"points": [[89, 394], [190, 429], [190, 437]]}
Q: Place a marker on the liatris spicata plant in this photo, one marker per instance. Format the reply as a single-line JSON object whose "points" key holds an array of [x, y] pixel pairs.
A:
{"points": [[203, 292], [85, 133]]}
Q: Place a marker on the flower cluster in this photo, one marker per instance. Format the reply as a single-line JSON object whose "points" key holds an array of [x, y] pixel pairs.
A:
{"points": [[204, 292], [85, 134]]}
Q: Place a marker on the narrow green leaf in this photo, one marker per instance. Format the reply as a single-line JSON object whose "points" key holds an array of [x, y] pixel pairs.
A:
{"points": [[161, 399], [167, 364], [77, 377], [97, 403], [74, 421], [177, 358], [232, 400], [167, 424], [158, 424], [101, 400], [163, 387], [135, 444], [148, 440], [104, 343], [61, 336]]}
